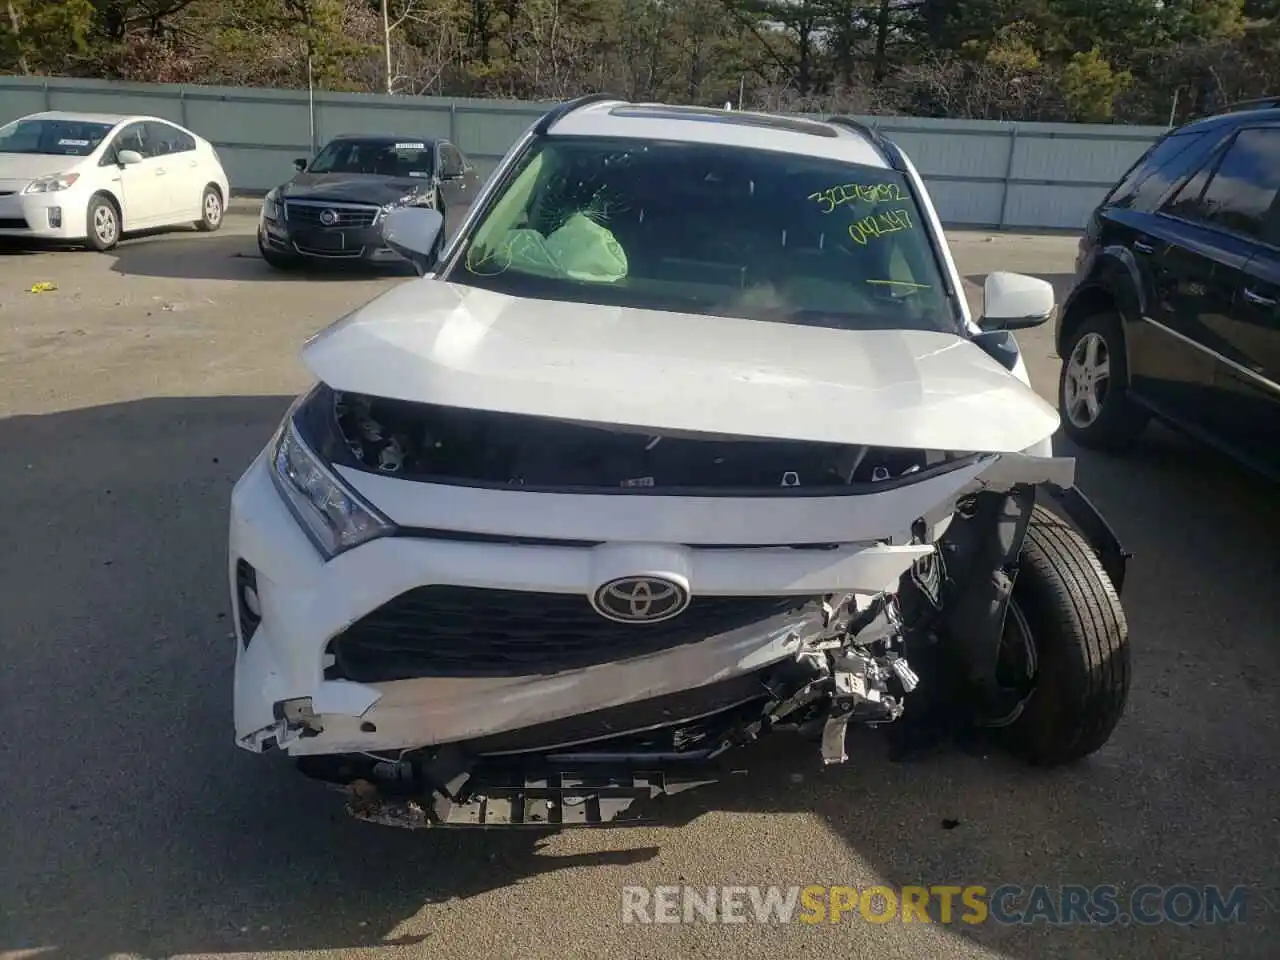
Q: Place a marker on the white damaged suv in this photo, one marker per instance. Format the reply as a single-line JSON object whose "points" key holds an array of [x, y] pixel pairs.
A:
{"points": [[686, 438]]}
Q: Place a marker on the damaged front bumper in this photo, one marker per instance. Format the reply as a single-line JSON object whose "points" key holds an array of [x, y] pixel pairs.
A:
{"points": [[422, 750]]}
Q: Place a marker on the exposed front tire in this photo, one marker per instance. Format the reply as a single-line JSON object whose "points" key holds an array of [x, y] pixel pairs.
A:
{"points": [[103, 223], [211, 210], [1093, 401], [1067, 640]]}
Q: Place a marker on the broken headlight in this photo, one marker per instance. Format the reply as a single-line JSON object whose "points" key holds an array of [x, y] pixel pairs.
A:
{"points": [[333, 516]]}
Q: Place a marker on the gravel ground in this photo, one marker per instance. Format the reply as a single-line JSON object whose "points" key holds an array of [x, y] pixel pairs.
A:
{"points": [[131, 397]]}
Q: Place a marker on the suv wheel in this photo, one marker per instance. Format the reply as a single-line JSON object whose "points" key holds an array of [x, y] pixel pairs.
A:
{"points": [[1066, 642], [1093, 400]]}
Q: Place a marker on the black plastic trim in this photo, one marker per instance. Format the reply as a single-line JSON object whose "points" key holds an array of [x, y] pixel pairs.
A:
{"points": [[552, 116], [1101, 537]]}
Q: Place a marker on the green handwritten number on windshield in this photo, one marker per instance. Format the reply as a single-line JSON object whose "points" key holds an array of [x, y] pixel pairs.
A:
{"points": [[877, 225], [838, 196]]}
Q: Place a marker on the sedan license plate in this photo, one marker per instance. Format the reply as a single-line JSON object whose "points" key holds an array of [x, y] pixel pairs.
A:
{"points": [[324, 240]]}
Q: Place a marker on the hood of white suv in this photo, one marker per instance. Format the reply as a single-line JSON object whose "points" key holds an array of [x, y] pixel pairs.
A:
{"points": [[452, 345]]}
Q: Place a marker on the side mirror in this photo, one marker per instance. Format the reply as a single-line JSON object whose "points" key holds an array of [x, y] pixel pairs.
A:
{"points": [[127, 158], [412, 232], [300, 164], [1015, 302]]}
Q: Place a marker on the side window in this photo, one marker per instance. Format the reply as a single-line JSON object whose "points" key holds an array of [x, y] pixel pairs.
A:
{"points": [[165, 139], [1186, 202], [1167, 163], [133, 137], [1238, 194], [1241, 193], [1158, 154]]}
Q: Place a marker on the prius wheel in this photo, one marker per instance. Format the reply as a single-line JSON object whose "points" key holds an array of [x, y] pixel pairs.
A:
{"points": [[1093, 400], [103, 231], [210, 210], [1065, 651]]}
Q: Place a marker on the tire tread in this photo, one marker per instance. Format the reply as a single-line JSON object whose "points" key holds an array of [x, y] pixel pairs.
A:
{"points": [[1082, 638]]}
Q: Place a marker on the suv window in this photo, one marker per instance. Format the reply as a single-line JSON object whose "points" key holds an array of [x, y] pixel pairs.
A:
{"points": [[1165, 163], [709, 229], [165, 139], [1239, 192]]}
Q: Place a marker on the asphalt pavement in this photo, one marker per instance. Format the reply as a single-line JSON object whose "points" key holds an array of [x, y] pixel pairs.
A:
{"points": [[134, 393]]}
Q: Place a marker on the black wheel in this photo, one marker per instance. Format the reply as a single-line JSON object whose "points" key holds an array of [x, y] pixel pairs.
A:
{"points": [[1066, 643], [102, 228], [1093, 400], [281, 261], [211, 209]]}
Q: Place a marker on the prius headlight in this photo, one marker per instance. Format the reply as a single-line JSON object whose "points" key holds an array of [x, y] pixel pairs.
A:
{"points": [[333, 516], [54, 183]]}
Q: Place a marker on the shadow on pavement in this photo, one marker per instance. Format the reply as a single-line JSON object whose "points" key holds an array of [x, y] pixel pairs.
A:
{"points": [[229, 256], [132, 825]]}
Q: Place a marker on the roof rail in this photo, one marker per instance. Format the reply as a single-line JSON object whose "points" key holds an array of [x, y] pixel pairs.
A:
{"points": [[1259, 103], [562, 110], [890, 150], [858, 126]]}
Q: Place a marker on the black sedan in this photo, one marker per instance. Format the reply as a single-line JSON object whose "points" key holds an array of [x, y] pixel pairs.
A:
{"points": [[331, 208]]}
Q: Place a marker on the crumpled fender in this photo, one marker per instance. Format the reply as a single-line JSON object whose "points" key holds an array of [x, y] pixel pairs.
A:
{"points": [[980, 554]]}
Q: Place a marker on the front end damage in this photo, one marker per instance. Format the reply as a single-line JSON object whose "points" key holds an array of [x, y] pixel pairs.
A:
{"points": [[925, 644]]}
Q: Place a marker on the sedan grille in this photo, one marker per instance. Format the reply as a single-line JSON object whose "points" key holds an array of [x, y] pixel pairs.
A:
{"points": [[452, 631], [345, 215]]}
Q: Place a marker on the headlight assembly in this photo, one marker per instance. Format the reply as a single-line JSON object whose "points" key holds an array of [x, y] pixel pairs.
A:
{"points": [[271, 206], [52, 184], [334, 517]]}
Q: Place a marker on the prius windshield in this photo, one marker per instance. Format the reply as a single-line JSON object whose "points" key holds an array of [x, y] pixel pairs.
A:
{"points": [[55, 138], [708, 229]]}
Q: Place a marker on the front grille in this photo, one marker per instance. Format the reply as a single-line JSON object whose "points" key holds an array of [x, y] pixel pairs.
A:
{"points": [[348, 254], [452, 631], [308, 214], [14, 223]]}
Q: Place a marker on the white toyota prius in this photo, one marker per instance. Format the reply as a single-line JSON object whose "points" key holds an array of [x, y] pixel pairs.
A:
{"points": [[686, 437], [90, 177]]}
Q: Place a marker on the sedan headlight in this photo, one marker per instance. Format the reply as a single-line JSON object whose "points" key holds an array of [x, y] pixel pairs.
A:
{"points": [[412, 200], [52, 184], [334, 517], [271, 206]]}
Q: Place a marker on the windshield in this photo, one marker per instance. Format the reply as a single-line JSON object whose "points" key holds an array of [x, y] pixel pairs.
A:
{"points": [[58, 138], [706, 229], [387, 158]]}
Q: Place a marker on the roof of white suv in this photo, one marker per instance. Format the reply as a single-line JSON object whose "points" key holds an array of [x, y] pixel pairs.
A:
{"points": [[761, 131]]}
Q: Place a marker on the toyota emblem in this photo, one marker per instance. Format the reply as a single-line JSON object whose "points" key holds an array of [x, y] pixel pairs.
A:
{"points": [[641, 599], [328, 217]]}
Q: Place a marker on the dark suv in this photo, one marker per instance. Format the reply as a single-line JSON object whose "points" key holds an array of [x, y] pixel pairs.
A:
{"points": [[1175, 311]]}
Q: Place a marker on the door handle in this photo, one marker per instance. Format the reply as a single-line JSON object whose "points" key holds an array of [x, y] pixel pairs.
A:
{"points": [[1143, 247], [160, 172], [1258, 299]]}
